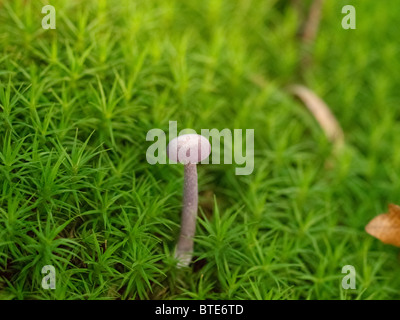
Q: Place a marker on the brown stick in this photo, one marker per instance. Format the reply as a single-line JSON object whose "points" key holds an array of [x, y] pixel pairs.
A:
{"points": [[321, 113], [309, 34], [312, 24]]}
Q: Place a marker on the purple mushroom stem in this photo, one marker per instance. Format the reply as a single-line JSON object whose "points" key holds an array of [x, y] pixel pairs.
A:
{"points": [[184, 248], [188, 149]]}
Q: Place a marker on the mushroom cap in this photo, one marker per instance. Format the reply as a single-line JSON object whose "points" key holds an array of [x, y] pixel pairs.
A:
{"points": [[189, 148]]}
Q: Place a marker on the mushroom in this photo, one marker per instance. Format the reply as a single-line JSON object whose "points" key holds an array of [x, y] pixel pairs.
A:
{"points": [[188, 149]]}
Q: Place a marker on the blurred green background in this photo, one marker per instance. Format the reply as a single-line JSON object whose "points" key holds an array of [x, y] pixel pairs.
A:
{"points": [[76, 191]]}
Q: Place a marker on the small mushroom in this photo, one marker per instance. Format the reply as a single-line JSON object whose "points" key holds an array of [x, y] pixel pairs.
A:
{"points": [[188, 149]]}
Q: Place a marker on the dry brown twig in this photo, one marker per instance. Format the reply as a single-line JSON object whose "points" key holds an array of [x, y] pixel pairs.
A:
{"points": [[311, 26], [321, 112], [309, 29]]}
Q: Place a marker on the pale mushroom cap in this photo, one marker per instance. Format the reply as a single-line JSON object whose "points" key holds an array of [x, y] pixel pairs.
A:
{"points": [[189, 148]]}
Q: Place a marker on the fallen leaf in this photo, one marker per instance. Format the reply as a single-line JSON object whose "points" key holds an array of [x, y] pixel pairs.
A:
{"points": [[386, 227]]}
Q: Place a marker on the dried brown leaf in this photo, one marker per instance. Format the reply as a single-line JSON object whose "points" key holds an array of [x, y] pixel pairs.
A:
{"points": [[386, 227]]}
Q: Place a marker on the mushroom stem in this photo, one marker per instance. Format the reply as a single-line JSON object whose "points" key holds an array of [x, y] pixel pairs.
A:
{"points": [[184, 248], [188, 149]]}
